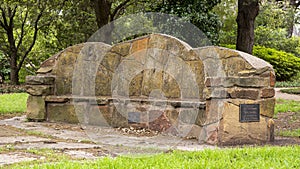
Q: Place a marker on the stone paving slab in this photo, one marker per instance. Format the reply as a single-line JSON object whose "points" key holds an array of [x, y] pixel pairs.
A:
{"points": [[20, 123], [5, 132], [16, 157], [57, 146], [80, 154], [21, 139]]}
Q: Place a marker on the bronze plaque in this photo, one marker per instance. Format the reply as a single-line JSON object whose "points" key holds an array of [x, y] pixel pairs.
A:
{"points": [[249, 112]]}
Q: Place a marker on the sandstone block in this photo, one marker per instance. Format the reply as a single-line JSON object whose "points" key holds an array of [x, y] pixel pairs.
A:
{"points": [[189, 131], [99, 116], [40, 80], [61, 113], [272, 79], [140, 44], [39, 90], [244, 94], [188, 115], [36, 109], [267, 93], [267, 107], [212, 113], [234, 132], [122, 49]]}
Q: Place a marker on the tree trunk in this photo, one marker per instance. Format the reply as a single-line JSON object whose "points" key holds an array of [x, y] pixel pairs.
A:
{"points": [[14, 71], [102, 10], [13, 56], [247, 12]]}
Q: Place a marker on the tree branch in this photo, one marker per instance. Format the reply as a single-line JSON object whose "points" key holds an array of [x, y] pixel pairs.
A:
{"points": [[36, 29], [22, 30], [11, 15], [4, 23], [118, 8]]}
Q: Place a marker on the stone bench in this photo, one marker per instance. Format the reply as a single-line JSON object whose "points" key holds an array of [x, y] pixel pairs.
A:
{"points": [[161, 83]]}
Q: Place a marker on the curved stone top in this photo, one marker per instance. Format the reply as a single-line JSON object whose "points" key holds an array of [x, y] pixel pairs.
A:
{"points": [[153, 62]]}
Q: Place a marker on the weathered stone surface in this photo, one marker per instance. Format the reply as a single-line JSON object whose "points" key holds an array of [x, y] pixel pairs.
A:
{"points": [[198, 70], [272, 79], [188, 116], [119, 116], [149, 83], [244, 94], [233, 132], [170, 87], [44, 70], [57, 99], [254, 82], [139, 44], [158, 121], [39, 90], [40, 80], [266, 105], [209, 134], [213, 112], [102, 83], [267, 93], [36, 109], [189, 131], [217, 93], [121, 48], [111, 61], [61, 113], [63, 86], [161, 83], [135, 86], [99, 116], [172, 115]]}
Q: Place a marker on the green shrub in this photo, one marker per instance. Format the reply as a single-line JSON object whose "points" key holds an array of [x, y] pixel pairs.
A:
{"points": [[286, 65]]}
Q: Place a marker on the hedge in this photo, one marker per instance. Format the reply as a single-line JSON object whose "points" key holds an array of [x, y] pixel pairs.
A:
{"points": [[286, 65]]}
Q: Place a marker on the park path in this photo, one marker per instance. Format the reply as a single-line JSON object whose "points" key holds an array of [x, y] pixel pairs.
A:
{"points": [[280, 95], [17, 135]]}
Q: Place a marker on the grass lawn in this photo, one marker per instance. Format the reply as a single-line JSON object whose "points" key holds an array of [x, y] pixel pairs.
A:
{"points": [[291, 91], [13, 103], [250, 157], [290, 133], [295, 82], [287, 106]]}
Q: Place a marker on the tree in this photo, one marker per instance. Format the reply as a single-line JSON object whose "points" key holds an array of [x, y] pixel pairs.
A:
{"points": [[197, 12], [227, 12], [20, 23], [247, 12], [107, 11]]}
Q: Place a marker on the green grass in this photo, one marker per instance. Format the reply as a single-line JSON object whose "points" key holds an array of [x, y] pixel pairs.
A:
{"points": [[295, 82], [288, 84], [250, 157], [283, 106], [291, 91], [13, 103], [290, 133]]}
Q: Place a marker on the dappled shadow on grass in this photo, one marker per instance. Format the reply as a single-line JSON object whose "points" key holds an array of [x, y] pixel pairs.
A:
{"points": [[291, 91], [7, 88]]}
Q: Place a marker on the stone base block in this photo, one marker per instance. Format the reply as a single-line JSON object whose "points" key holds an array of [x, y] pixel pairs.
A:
{"points": [[36, 108], [61, 113]]}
